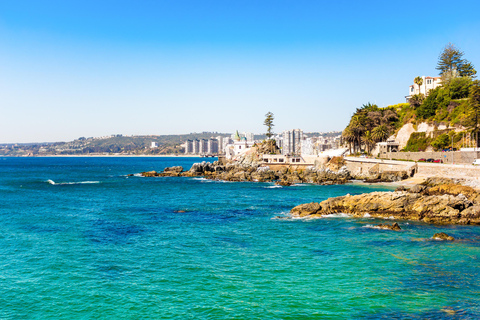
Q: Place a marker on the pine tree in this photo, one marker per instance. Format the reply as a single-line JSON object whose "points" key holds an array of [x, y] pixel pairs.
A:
{"points": [[269, 124], [451, 59]]}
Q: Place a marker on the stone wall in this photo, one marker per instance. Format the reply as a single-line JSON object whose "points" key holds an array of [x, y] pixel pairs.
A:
{"points": [[459, 157]]}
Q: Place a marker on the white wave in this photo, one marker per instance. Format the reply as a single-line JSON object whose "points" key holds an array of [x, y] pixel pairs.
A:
{"points": [[273, 187], [337, 215], [367, 215], [371, 226], [200, 179], [65, 183], [389, 218], [137, 175]]}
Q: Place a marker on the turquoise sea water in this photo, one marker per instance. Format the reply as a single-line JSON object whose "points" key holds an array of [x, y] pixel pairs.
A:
{"points": [[92, 243]]}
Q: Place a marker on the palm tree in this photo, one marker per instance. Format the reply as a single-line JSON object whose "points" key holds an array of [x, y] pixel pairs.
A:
{"points": [[419, 81], [349, 137], [358, 128], [416, 100], [368, 140], [380, 133]]}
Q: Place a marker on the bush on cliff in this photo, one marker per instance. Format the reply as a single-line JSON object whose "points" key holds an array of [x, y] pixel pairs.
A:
{"points": [[441, 142], [418, 142]]}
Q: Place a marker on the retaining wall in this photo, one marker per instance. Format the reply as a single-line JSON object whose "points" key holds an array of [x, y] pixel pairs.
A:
{"points": [[459, 157]]}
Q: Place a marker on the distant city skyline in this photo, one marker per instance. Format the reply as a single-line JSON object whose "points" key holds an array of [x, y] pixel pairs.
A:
{"points": [[94, 68]]}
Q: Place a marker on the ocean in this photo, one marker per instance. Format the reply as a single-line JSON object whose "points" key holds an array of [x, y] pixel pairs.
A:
{"points": [[79, 239]]}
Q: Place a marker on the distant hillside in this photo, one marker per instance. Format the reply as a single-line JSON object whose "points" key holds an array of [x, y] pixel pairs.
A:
{"points": [[118, 144]]}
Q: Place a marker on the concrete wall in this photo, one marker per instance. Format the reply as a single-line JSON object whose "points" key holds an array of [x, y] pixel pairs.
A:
{"points": [[448, 171], [459, 157], [360, 168]]}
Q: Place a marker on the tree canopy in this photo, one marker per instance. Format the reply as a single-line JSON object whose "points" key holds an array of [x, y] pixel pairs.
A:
{"points": [[269, 124], [450, 59]]}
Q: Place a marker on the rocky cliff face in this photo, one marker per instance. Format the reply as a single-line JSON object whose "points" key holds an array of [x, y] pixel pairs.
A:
{"points": [[404, 133], [446, 204]]}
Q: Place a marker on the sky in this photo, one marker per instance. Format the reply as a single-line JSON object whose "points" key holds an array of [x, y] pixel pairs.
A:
{"points": [[71, 69]]}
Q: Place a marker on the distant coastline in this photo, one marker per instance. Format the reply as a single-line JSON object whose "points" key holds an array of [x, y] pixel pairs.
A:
{"points": [[107, 155]]}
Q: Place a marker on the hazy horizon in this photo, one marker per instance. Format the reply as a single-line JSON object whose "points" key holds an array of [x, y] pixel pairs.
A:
{"points": [[84, 68]]}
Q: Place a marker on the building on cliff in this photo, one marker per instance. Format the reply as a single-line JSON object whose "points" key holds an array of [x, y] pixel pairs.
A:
{"points": [[428, 83]]}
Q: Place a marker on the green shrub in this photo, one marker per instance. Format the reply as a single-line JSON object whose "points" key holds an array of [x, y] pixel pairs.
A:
{"points": [[418, 142], [458, 88], [441, 142], [438, 98]]}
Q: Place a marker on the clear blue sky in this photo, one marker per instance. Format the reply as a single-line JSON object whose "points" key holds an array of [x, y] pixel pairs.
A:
{"points": [[91, 68]]}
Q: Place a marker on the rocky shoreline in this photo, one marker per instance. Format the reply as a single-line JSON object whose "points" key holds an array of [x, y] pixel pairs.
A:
{"points": [[326, 172], [439, 201], [436, 200]]}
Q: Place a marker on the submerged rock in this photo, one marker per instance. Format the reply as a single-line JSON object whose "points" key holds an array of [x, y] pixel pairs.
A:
{"points": [[393, 227], [283, 183], [443, 236]]}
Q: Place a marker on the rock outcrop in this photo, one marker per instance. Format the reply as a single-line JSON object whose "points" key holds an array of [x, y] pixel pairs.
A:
{"points": [[443, 236], [250, 167], [393, 227], [443, 204], [250, 170]]}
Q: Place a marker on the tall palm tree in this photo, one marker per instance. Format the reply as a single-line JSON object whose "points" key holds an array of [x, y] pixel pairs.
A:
{"points": [[349, 137], [358, 128], [419, 81], [368, 140], [380, 133]]}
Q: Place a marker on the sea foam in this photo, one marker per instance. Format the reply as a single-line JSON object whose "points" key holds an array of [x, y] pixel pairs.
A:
{"points": [[65, 183]]}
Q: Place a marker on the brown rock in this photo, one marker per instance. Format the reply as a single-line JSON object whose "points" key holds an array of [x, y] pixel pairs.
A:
{"points": [[306, 209], [443, 236], [283, 183], [176, 169], [149, 174], [417, 188], [393, 227], [446, 208], [453, 189]]}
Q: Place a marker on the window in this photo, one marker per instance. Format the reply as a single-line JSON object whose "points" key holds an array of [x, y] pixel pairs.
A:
{"points": [[411, 89], [429, 81], [280, 160]]}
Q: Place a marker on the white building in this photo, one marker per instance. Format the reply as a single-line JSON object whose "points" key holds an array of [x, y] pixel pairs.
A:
{"points": [[153, 145], [249, 136], [292, 142], [308, 145], [429, 83], [202, 146]]}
